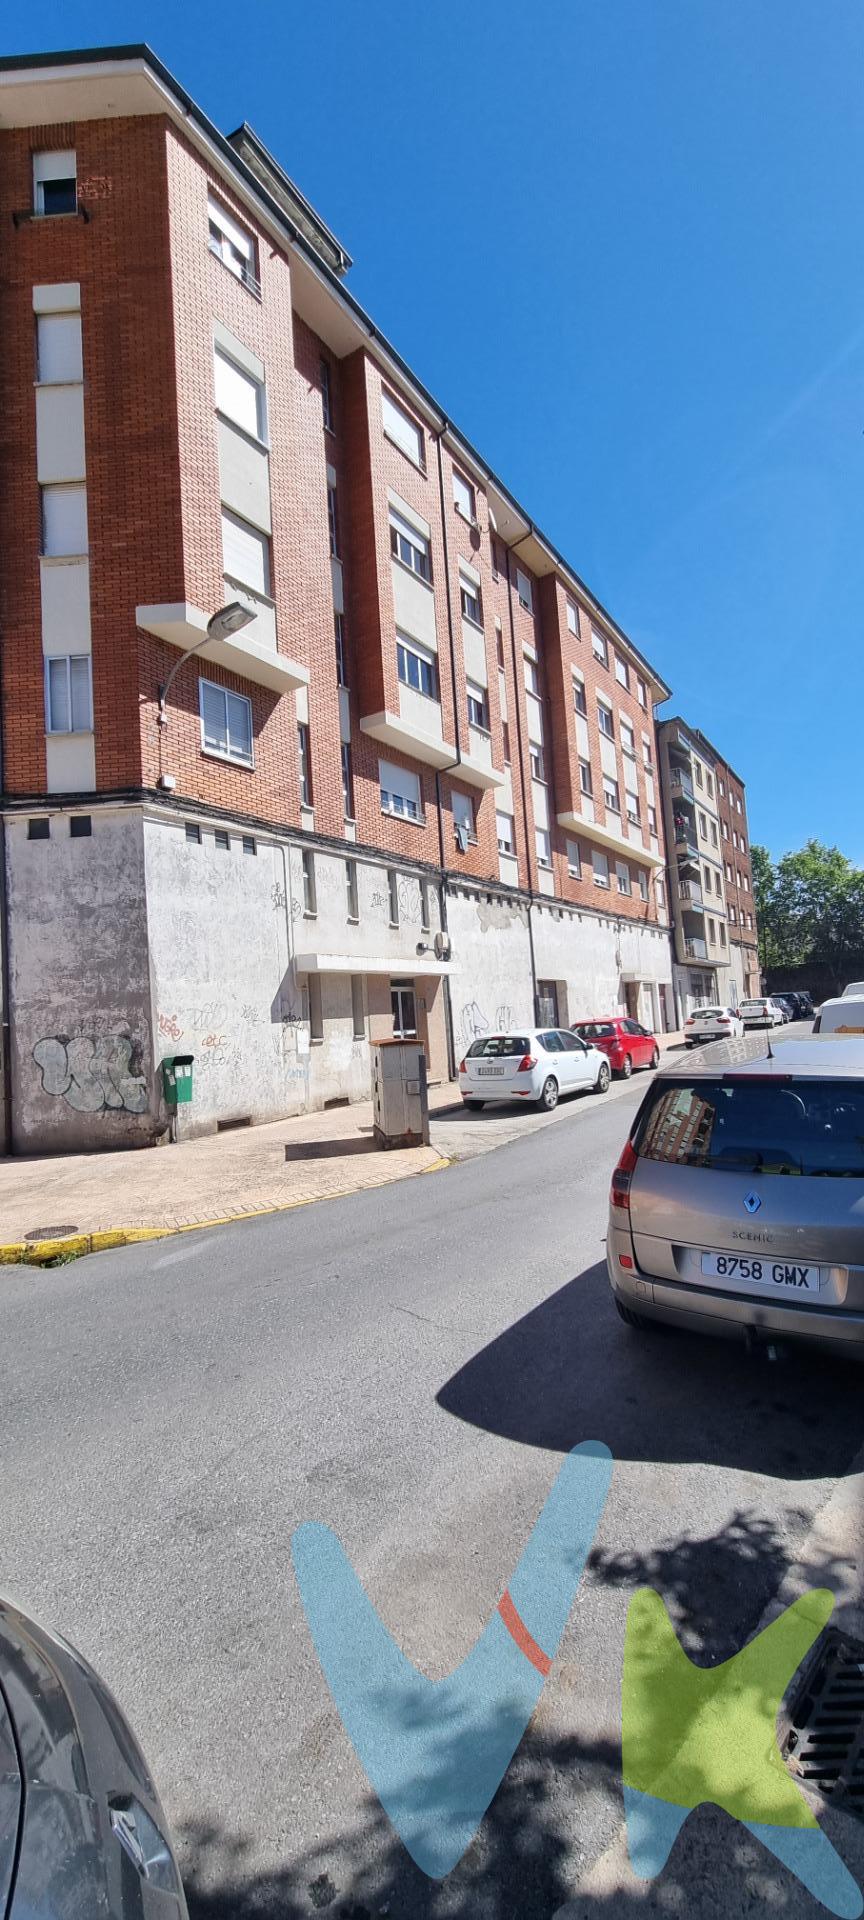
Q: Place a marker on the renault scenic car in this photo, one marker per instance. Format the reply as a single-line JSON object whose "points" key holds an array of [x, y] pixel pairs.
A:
{"points": [[738, 1203]]}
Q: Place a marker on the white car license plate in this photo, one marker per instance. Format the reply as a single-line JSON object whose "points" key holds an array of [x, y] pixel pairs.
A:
{"points": [[487, 1073], [776, 1276]]}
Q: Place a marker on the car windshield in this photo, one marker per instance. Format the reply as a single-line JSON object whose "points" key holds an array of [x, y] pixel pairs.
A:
{"points": [[757, 1126], [596, 1030], [499, 1046]]}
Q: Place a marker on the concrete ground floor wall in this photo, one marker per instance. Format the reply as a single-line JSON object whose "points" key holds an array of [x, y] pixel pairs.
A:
{"points": [[148, 932]]}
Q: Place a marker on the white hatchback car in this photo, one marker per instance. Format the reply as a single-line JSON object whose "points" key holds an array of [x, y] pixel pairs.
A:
{"points": [[537, 1063], [761, 1013], [712, 1023]]}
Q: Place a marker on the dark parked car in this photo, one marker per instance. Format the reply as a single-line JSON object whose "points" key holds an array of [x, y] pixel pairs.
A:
{"points": [[625, 1044], [82, 1832], [788, 1004]]}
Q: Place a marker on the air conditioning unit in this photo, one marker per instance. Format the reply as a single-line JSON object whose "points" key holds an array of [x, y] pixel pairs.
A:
{"points": [[443, 946]]}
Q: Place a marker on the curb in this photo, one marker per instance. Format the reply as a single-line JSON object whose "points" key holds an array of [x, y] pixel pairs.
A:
{"points": [[33, 1253]]}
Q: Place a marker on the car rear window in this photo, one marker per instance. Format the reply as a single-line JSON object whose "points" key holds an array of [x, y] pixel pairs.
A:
{"points": [[753, 1003], [756, 1126], [499, 1046], [596, 1030], [703, 1012]]}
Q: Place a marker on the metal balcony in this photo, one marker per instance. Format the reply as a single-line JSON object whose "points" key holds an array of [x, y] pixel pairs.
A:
{"points": [[681, 785], [695, 949], [691, 896]]}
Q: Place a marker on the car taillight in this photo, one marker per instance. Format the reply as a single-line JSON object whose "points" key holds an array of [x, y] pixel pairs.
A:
{"points": [[526, 1063], [723, 1022], [463, 1067], [620, 1190]]}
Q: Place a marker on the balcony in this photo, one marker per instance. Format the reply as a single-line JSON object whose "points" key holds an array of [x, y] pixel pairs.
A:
{"points": [[475, 766], [681, 785], [695, 949], [691, 897], [607, 836], [402, 732], [686, 844], [246, 653]]}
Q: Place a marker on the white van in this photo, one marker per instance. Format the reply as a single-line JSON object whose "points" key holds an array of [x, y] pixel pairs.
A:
{"points": [[856, 988], [844, 1015]]}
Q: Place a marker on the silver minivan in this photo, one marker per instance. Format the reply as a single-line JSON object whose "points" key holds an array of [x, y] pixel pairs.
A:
{"points": [[737, 1206]]}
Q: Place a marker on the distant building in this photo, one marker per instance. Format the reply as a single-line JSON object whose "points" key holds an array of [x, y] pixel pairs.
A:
{"points": [[714, 922]]}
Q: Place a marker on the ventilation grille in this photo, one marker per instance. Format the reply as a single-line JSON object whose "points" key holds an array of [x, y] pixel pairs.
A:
{"points": [[824, 1740]]}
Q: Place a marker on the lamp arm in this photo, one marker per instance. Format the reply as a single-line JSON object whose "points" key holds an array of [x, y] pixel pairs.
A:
{"points": [[165, 689]]}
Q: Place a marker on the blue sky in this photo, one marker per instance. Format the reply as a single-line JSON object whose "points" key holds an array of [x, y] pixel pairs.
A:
{"points": [[623, 246]]}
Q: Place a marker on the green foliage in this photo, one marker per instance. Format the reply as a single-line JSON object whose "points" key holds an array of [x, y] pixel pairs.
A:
{"points": [[810, 907]]}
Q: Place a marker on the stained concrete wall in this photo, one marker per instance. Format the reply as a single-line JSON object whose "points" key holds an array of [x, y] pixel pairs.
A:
{"points": [[83, 1066], [491, 984]]}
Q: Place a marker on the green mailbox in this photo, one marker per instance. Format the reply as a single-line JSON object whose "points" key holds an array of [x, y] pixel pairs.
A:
{"points": [[177, 1078]]}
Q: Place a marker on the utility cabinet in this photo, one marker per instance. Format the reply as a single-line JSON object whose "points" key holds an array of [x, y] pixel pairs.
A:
{"points": [[400, 1097]]}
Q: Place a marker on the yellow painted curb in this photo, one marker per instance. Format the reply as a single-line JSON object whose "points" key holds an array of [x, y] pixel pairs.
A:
{"points": [[32, 1253]]}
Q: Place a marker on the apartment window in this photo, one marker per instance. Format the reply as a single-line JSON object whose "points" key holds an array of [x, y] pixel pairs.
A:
{"points": [[738, 803], [524, 591], [729, 874], [628, 738], [622, 672], [611, 797], [39, 829], [339, 636], [222, 840], [409, 546], [538, 765], [505, 733], [743, 878], [713, 826], [622, 875], [305, 765], [532, 683], [505, 829], [351, 889], [463, 813], [400, 791], [249, 844], [574, 859], [725, 829], [579, 701], [641, 692], [68, 694], [643, 883], [310, 897], [326, 392], [400, 428], [544, 847], [64, 521], [358, 1016], [573, 618], [347, 780], [703, 826], [233, 245], [722, 933], [718, 884], [605, 721], [478, 706], [245, 553], [55, 188], [720, 787], [193, 832], [749, 923], [416, 667], [647, 760], [425, 918], [316, 1012], [585, 778], [733, 916], [463, 496], [698, 772], [499, 651], [706, 874], [81, 826], [393, 890], [332, 521], [239, 395], [652, 821], [58, 348], [709, 786], [633, 808], [599, 647], [469, 595], [661, 895], [226, 723], [600, 865], [712, 932]]}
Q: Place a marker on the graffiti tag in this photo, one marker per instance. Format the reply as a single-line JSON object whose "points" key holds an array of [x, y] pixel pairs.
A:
{"points": [[92, 1075]]}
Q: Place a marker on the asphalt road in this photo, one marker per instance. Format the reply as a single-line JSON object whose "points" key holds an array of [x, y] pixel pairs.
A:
{"points": [[409, 1365]]}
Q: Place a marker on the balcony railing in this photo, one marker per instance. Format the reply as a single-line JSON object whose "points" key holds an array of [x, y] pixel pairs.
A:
{"points": [[685, 840], [681, 784], [695, 949], [691, 896]]}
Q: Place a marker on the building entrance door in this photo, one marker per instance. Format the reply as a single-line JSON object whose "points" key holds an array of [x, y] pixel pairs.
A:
{"points": [[404, 1008], [547, 1003]]}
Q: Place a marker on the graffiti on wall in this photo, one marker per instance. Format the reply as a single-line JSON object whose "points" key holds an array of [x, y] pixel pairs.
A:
{"points": [[93, 1075], [472, 1023]]}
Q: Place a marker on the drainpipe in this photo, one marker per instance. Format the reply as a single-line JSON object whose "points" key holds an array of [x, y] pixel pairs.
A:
{"points": [[519, 749], [5, 973], [448, 1005]]}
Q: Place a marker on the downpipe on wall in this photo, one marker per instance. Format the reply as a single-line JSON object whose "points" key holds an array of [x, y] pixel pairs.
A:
{"points": [[5, 971]]}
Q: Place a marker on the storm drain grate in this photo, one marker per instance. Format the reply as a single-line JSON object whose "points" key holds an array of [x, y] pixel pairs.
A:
{"points": [[824, 1739]]}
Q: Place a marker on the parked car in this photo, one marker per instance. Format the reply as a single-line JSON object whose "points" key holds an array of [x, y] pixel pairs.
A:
{"points": [[787, 1005], [843, 1016], [806, 1008], [712, 1023], [736, 1203], [763, 1012], [82, 1831], [625, 1044], [538, 1064], [855, 990]]}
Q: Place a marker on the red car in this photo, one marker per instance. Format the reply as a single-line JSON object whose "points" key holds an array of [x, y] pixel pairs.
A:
{"points": [[625, 1044]]}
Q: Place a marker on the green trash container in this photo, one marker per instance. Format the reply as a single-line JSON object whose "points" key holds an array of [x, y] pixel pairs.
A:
{"points": [[177, 1078]]}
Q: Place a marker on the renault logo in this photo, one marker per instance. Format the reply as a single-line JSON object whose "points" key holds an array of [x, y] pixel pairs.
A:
{"points": [[752, 1202]]}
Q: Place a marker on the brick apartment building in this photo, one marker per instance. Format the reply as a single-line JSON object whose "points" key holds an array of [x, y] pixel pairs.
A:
{"points": [[711, 883], [416, 791]]}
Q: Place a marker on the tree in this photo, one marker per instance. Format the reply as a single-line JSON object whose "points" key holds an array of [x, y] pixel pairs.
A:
{"points": [[810, 907]]}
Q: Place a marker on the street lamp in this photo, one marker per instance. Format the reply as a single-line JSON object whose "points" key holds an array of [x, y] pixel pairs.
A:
{"points": [[230, 619]]}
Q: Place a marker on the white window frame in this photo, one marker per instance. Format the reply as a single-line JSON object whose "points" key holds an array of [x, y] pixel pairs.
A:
{"points": [[462, 809], [58, 341], [347, 772], [524, 591], [601, 878], [535, 752], [574, 859], [426, 662], [67, 659], [48, 168], [625, 729], [543, 845], [478, 698], [600, 646], [622, 672], [643, 884], [605, 720], [572, 618], [260, 541], [586, 782], [469, 591], [610, 785], [633, 813], [304, 761], [417, 543], [50, 494], [225, 753], [641, 691], [397, 788], [580, 698], [464, 497], [258, 432], [233, 244], [310, 884], [507, 839], [326, 386], [623, 878], [352, 896], [532, 683], [402, 430]]}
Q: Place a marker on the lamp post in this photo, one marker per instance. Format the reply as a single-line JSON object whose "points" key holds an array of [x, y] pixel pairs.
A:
{"points": [[229, 619]]}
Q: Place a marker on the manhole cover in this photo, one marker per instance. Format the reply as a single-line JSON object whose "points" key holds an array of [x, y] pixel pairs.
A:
{"points": [[50, 1233], [824, 1740]]}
